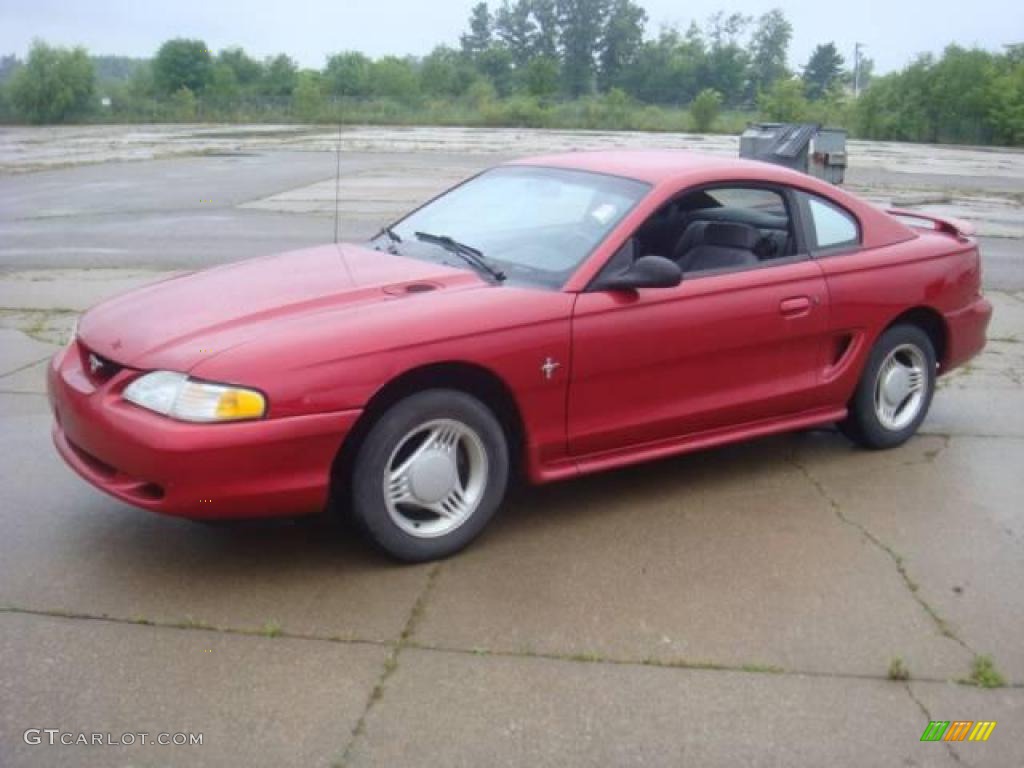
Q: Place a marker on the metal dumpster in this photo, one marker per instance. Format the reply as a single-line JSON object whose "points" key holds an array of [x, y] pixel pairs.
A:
{"points": [[805, 147]]}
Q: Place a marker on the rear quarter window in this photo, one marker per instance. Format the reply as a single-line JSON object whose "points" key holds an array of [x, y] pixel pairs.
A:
{"points": [[831, 226]]}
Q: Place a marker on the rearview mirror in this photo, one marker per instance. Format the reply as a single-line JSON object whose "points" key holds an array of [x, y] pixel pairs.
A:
{"points": [[645, 272]]}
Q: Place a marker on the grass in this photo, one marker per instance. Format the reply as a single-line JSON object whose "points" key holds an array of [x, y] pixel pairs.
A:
{"points": [[898, 669], [984, 673], [271, 629]]}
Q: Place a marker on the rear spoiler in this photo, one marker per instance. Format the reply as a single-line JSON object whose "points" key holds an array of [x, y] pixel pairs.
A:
{"points": [[959, 229]]}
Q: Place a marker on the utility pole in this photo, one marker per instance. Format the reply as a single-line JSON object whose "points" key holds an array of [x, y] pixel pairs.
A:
{"points": [[856, 68]]}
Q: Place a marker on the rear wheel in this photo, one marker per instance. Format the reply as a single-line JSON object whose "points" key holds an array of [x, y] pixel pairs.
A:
{"points": [[430, 475], [895, 389]]}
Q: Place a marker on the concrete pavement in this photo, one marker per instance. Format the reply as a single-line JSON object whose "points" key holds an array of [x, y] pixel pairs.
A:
{"points": [[740, 606]]}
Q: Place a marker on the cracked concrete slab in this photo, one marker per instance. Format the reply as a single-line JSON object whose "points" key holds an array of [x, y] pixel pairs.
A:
{"points": [[462, 710], [947, 510], [67, 547], [256, 701], [19, 351], [27, 380], [729, 557]]}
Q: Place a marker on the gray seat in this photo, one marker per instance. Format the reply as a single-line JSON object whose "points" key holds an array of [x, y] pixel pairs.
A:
{"points": [[719, 245], [692, 236], [774, 244]]}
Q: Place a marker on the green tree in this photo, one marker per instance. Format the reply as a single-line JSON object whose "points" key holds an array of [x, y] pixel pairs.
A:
{"points": [[724, 66], [308, 98], [54, 85], [183, 105], [581, 23], [545, 42], [279, 77], [959, 95], [348, 75], [705, 109], [445, 73], [481, 32], [1006, 103], [769, 48], [223, 90], [824, 69], [181, 63], [621, 42], [667, 70], [541, 78], [784, 102], [496, 65], [481, 94], [516, 29], [247, 71], [394, 78]]}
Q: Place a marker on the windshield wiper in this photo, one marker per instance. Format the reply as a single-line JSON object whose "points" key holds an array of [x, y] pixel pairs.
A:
{"points": [[467, 253], [392, 236]]}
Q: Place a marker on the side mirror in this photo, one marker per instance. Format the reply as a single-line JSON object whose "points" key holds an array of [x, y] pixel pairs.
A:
{"points": [[645, 272]]}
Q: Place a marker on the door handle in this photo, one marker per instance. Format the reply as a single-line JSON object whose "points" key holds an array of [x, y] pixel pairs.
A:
{"points": [[795, 306]]}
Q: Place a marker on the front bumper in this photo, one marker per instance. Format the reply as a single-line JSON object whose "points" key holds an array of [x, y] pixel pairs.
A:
{"points": [[266, 468]]}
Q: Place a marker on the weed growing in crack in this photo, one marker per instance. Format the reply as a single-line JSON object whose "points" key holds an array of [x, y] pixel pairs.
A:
{"points": [[984, 673], [271, 629], [898, 669]]}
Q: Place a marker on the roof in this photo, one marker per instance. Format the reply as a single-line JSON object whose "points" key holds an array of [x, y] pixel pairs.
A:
{"points": [[652, 165]]}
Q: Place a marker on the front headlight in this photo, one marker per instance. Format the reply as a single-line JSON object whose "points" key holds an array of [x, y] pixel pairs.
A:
{"points": [[179, 397]]}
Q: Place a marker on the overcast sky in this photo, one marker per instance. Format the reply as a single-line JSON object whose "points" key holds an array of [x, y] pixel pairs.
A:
{"points": [[892, 30]]}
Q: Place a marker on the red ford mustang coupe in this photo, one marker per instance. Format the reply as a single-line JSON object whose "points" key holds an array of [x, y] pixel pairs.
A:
{"points": [[549, 317]]}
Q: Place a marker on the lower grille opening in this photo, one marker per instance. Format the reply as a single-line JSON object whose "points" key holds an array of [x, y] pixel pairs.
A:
{"points": [[151, 491], [118, 480]]}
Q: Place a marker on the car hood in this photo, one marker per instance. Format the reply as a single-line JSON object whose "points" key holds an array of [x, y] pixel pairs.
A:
{"points": [[179, 322]]}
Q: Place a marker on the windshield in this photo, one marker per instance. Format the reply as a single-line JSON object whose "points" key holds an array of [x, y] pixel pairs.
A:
{"points": [[535, 224]]}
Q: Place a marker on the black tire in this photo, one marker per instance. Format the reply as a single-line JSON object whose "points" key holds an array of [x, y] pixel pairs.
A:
{"points": [[369, 507], [863, 425]]}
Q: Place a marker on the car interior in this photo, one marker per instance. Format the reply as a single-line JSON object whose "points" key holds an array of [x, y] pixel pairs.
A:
{"points": [[720, 228]]}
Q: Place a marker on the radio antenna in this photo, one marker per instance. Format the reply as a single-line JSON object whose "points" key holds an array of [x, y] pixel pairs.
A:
{"points": [[337, 181]]}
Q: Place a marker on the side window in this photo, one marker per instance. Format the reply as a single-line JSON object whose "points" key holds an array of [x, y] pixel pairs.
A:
{"points": [[721, 228], [832, 226]]}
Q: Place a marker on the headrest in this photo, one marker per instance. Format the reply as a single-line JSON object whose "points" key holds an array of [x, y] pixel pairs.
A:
{"points": [[729, 234]]}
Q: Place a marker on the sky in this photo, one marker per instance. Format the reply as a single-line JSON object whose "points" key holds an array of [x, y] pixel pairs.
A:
{"points": [[893, 31]]}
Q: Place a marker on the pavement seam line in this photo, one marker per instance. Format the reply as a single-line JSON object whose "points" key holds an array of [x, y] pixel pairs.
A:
{"points": [[750, 669], [928, 716], [897, 560], [25, 367], [188, 624], [971, 435], [574, 658], [391, 662]]}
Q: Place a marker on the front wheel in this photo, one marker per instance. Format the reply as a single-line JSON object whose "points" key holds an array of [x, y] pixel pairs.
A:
{"points": [[895, 389], [430, 475]]}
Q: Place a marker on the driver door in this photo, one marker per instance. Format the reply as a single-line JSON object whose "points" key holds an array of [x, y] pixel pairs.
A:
{"points": [[721, 349]]}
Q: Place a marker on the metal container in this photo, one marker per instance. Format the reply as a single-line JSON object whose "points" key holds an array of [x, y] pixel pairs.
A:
{"points": [[805, 147]]}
